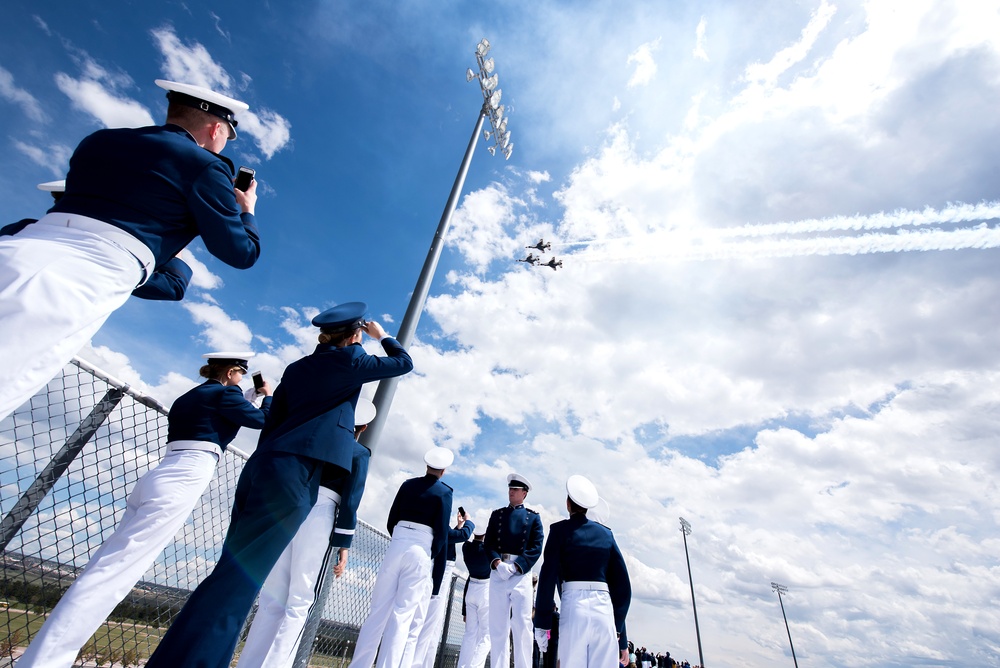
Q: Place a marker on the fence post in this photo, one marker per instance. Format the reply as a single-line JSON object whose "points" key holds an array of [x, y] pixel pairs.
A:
{"points": [[29, 501], [447, 622]]}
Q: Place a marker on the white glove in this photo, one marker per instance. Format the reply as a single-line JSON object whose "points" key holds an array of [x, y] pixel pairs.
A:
{"points": [[542, 638], [254, 397], [504, 570]]}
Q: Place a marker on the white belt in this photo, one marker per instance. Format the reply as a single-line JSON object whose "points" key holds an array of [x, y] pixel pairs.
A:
{"points": [[483, 580], [205, 446], [413, 526], [328, 493], [509, 558], [109, 232], [584, 585]]}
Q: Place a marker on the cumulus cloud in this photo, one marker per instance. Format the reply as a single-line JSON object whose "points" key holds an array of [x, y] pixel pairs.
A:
{"points": [[699, 46], [102, 94], [219, 330]]}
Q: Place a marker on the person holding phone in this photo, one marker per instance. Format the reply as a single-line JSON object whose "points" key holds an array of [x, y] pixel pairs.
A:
{"points": [[134, 198], [200, 424], [309, 435]]}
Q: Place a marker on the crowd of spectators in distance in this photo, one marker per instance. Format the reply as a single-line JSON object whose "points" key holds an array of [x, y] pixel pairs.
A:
{"points": [[640, 657]]}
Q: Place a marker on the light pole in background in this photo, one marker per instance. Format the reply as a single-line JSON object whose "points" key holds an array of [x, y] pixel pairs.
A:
{"points": [[686, 530], [493, 111], [782, 589]]}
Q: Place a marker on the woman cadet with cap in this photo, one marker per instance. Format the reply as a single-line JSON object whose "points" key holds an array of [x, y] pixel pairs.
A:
{"points": [[310, 428], [134, 198], [413, 566], [290, 590], [583, 560], [200, 424]]}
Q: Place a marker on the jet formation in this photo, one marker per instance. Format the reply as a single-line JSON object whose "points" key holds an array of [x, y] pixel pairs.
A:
{"points": [[533, 261]]}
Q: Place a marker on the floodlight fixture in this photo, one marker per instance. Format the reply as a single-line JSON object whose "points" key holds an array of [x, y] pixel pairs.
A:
{"points": [[507, 151], [492, 150], [488, 65], [495, 98], [483, 48], [491, 82], [469, 74], [502, 125]]}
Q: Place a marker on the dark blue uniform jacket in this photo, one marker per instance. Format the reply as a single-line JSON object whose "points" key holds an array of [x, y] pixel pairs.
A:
{"points": [[515, 531], [213, 412], [425, 501], [477, 560], [351, 488], [313, 410], [158, 185], [581, 550]]}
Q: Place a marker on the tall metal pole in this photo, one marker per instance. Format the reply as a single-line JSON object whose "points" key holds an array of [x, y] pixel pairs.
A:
{"points": [[781, 589], [686, 529], [387, 387], [494, 111]]}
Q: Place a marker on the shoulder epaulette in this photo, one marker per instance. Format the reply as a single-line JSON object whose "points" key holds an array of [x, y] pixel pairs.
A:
{"points": [[533, 512], [446, 485]]}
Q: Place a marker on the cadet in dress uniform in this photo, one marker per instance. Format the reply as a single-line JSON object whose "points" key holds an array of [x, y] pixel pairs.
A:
{"points": [[309, 433], [476, 604], [421, 650], [168, 281], [514, 539], [134, 198], [200, 424], [291, 588], [413, 566], [584, 562]]}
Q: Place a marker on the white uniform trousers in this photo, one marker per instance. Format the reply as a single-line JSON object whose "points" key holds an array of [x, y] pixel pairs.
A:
{"points": [[290, 590], [511, 601], [58, 285], [429, 635], [587, 635], [476, 641], [402, 587], [156, 510]]}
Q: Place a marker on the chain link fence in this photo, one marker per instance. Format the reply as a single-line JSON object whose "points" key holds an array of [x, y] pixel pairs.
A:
{"points": [[68, 460]]}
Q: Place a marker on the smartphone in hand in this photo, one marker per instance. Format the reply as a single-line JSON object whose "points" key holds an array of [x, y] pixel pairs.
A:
{"points": [[258, 380], [244, 177]]}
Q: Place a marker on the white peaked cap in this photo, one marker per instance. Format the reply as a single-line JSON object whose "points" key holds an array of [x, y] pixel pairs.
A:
{"points": [[53, 186], [364, 412], [582, 491], [439, 458], [519, 481]]}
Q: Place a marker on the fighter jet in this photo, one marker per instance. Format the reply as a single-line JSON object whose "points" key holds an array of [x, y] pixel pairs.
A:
{"points": [[541, 245], [531, 259], [553, 263]]}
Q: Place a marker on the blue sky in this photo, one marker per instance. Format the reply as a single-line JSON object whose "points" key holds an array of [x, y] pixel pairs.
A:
{"points": [[776, 316]]}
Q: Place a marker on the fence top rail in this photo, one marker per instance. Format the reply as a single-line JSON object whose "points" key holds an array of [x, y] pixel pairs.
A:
{"points": [[144, 399]]}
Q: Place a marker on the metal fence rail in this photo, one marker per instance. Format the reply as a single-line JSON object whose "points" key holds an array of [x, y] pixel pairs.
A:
{"points": [[68, 460]]}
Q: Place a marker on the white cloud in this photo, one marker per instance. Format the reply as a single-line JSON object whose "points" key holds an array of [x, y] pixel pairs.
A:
{"points": [[99, 92], [645, 65], [201, 275], [16, 95], [270, 131], [699, 46], [54, 157], [219, 330]]}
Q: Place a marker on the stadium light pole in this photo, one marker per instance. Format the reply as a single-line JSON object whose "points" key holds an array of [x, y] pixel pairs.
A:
{"points": [[493, 111], [686, 530], [781, 589]]}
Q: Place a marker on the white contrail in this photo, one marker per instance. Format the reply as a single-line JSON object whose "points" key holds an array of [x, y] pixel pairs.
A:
{"points": [[952, 214], [979, 237]]}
